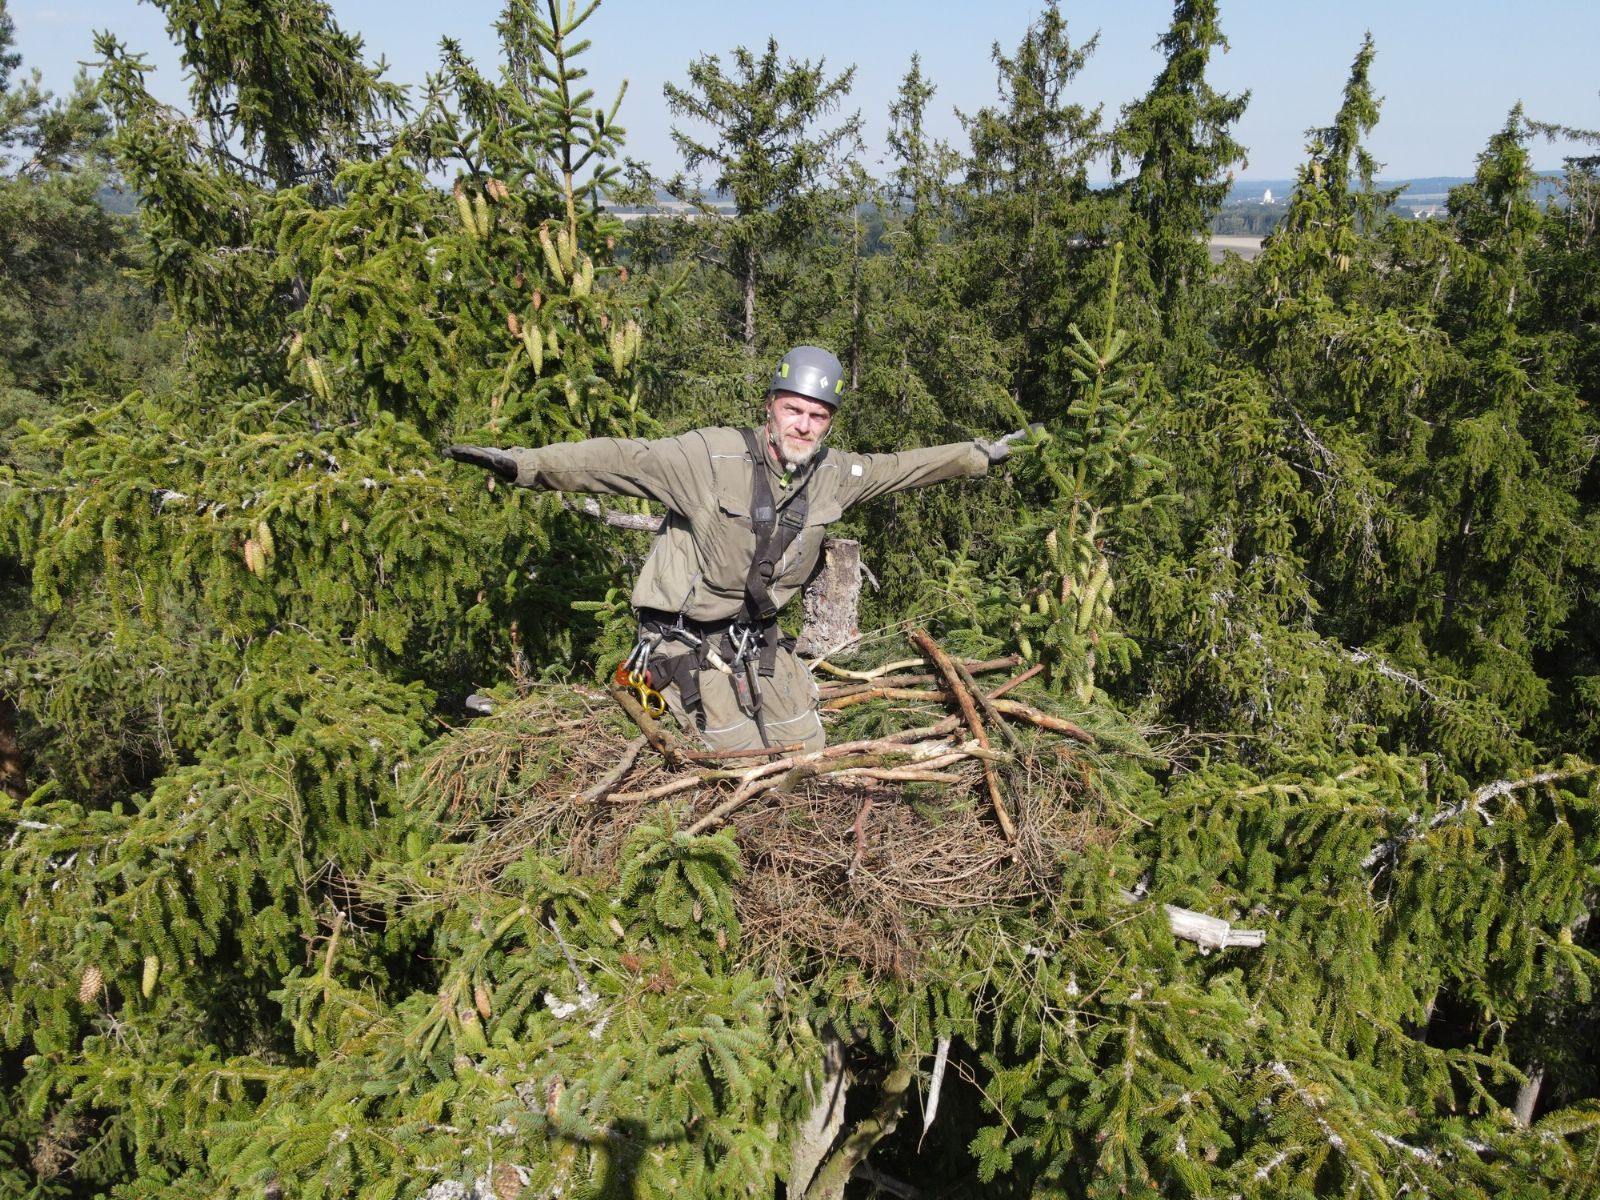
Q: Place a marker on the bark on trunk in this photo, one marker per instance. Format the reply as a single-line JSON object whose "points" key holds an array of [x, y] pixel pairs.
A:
{"points": [[13, 779], [1528, 1097], [832, 602], [822, 1124], [747, 283], [832, 1176]]}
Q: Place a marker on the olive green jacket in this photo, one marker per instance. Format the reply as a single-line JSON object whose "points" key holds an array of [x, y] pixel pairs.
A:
{"points": [[703, 553]]}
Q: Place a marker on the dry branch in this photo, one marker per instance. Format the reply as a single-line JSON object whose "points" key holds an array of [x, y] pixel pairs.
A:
{"points": [[660, 740], [1015, 708], [644, 522], [1208, 932], [630, 755], [1473, 804], [1016, 681], [969, 713]]}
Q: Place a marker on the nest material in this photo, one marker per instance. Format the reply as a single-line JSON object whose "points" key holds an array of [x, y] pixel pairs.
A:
{"points": [[853, 865]]}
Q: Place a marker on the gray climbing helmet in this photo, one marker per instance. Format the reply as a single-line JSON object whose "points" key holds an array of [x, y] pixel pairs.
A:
{"points": [[812, 372]]}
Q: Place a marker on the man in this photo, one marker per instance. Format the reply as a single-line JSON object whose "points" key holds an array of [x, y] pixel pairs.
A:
{"points": [[746, 512]]}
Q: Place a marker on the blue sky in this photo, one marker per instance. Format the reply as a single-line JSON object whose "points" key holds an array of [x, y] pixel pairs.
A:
{"points": [[1449, 73]]}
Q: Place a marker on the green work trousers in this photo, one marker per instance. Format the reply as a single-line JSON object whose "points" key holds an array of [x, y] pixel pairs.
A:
{"points": [[788, 706]]}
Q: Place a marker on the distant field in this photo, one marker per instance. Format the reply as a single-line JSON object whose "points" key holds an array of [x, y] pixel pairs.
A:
{"points": [[1223, 243]]}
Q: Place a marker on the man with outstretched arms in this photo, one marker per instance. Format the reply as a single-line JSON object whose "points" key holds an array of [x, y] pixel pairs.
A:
{"points": [[746, 513]]}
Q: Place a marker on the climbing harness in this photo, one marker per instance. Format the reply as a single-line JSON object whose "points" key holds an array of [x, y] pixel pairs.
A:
{"points": [[745, 647]]}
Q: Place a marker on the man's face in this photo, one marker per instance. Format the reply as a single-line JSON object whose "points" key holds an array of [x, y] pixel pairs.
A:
{"points": [[796, 427]]}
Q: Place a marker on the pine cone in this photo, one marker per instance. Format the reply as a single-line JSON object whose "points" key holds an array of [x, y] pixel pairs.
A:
{"points": [[89, 986], [506, 1182]]}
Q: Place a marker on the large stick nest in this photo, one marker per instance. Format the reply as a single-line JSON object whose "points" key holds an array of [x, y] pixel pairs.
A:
{"points": [[858, 864]]}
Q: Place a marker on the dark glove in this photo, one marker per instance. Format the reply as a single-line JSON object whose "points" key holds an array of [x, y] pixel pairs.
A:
{"points": [[498, 461], [1000, 449]]}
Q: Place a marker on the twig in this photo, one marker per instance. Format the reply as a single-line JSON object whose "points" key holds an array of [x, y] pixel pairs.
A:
{"points": [[630, 755], [882, 676], [884, 693], [861, 835], [785, 774], [759, 752], [897, 775], [969, 712], [827, 668], [987, 706], [672, 787], [644, 522], [1016, 681]]}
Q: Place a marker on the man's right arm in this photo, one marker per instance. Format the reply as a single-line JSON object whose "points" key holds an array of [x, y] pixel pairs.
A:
{"points": [[649, 469]]}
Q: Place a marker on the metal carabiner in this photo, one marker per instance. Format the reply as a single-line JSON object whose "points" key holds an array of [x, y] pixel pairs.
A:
{"points": [[741, 637]]}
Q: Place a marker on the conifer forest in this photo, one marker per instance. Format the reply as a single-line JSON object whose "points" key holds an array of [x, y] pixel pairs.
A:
{"points": [[1212, 805]]}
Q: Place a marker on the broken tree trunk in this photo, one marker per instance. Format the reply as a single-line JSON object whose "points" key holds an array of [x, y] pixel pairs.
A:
{"points": [[819, 1130], [832, 602]]}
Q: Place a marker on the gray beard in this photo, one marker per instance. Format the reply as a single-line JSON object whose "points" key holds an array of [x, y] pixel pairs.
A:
{"points": [[786, 458]]}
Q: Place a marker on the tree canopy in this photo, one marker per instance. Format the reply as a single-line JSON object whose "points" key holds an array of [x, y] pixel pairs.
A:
{"points": [[1275, 879]]}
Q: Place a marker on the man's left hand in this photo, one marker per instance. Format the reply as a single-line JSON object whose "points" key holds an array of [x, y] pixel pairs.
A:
{"points": [[1000, 449]]}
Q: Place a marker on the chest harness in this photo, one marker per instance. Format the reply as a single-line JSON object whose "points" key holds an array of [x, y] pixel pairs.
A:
{"points": [[744, 647]]}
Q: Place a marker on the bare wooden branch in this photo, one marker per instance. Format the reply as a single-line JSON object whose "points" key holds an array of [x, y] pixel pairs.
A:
{"points": [[1015, 708], [986, 705], [1016, 681], [885, 693], [1473, 804], [851, 687], [888, 668], [1208, 932], [788, 773], [708, 756], [660, 741], [630, 755], [643, 522], [969, 712]]}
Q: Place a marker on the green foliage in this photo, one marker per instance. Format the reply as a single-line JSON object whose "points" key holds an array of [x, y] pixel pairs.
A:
{"points": [[769, 158], [1305, 546], [1177, 135]]}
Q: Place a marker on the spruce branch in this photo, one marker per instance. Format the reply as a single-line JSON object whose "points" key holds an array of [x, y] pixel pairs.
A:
{"points": [[1473, 805]]}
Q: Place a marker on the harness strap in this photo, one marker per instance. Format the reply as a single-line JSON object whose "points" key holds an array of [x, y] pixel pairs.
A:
{"points": [[774, 535]]}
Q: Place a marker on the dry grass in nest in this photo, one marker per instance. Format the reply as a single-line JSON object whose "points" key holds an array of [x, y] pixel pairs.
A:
{"points": [[836, 866]]}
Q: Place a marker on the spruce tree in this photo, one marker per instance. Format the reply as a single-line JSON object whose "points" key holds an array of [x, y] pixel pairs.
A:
{"points": [[1176, 137], [759, 126], [1034, 229]]}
